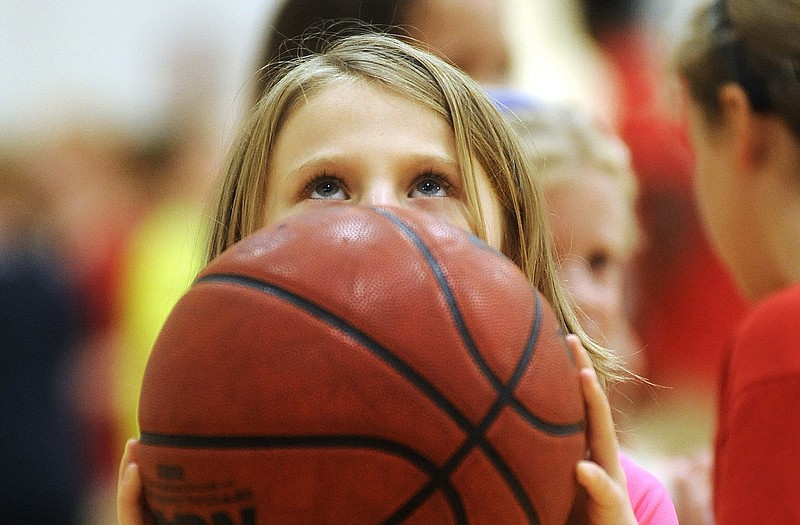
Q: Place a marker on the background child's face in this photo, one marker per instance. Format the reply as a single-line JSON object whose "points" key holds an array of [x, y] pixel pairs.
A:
{"points": [[359, 144], [590, 224]]}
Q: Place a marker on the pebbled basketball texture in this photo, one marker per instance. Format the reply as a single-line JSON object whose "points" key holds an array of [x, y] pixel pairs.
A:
{"points": [[356, 365]]}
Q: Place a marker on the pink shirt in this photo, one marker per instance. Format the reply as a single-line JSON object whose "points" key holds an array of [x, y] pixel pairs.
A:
{"points": [[649, 498]]}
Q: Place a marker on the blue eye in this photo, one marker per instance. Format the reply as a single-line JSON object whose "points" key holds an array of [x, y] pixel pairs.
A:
{"points": [[325, 187], [431, 185]]}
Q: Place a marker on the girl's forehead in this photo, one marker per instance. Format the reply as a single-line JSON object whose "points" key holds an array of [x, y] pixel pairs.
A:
{"points": [[326, 98], [363, 119], [347, 86]]}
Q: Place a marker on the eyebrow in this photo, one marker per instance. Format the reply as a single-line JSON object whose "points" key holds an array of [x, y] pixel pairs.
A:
{"points": [[325, 159]]}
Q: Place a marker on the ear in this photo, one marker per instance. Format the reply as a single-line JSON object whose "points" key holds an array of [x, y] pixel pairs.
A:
{"points": [[748, 137]]}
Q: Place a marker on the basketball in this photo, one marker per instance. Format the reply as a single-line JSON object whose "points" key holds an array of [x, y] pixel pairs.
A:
{"points": [[358, 365]]}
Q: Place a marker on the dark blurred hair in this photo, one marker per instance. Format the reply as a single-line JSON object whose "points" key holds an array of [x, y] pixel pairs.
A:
{"points": [[604, 16], [753, 44], [302, 27]]}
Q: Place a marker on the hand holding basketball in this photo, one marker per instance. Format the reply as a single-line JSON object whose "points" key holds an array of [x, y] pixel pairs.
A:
{"points": [[601, 476], [130, 498]]}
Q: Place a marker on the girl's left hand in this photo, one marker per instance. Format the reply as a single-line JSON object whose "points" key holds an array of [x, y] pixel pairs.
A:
{"points": [[601, 476]]}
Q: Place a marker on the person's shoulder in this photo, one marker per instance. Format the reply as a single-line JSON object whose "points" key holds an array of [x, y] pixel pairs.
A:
{"points": [[767, 342], [650, 500], [775, 309]]}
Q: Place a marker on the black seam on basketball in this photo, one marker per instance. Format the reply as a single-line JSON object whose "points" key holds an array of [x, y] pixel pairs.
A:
{"points": [[556, 429], [356, 442], [360, 337], [492, 414]]}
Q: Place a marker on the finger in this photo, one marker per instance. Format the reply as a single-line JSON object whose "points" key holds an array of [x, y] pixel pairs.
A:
{"points": [[579, 352], [129, 497], [602, 489], [608, 502], [126, 458], [603, 444], [131, 509]]}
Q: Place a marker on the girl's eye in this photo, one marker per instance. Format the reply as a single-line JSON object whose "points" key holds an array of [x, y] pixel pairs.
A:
{"points": [[325, 187], [431, 185]]}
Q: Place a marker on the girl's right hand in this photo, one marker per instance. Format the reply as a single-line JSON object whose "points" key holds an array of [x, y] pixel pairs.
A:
{"points": [[131, 508]]}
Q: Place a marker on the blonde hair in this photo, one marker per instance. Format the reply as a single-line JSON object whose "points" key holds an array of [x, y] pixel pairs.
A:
{"points": [[753, 44], [480, 132], [562, 143]]}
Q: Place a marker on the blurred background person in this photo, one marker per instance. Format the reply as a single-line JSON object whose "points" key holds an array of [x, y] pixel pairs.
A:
{"points": [[740, 70], [470, 34], [98, 186], [43, 472], [591, 193], [676, 271], [122, 111]]}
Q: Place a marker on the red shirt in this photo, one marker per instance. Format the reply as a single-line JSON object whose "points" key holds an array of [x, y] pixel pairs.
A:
{"points": [[757, 450]]}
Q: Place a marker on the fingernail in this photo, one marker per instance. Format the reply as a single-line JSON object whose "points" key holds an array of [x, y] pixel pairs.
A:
{"points": [[586, 470], [130, 471]]}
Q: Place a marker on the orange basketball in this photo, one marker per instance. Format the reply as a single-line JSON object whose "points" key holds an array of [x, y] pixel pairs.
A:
{"points": [[360, 365]]}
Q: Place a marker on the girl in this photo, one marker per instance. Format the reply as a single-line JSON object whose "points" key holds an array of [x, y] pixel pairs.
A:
{"points": [[375, 121]]}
